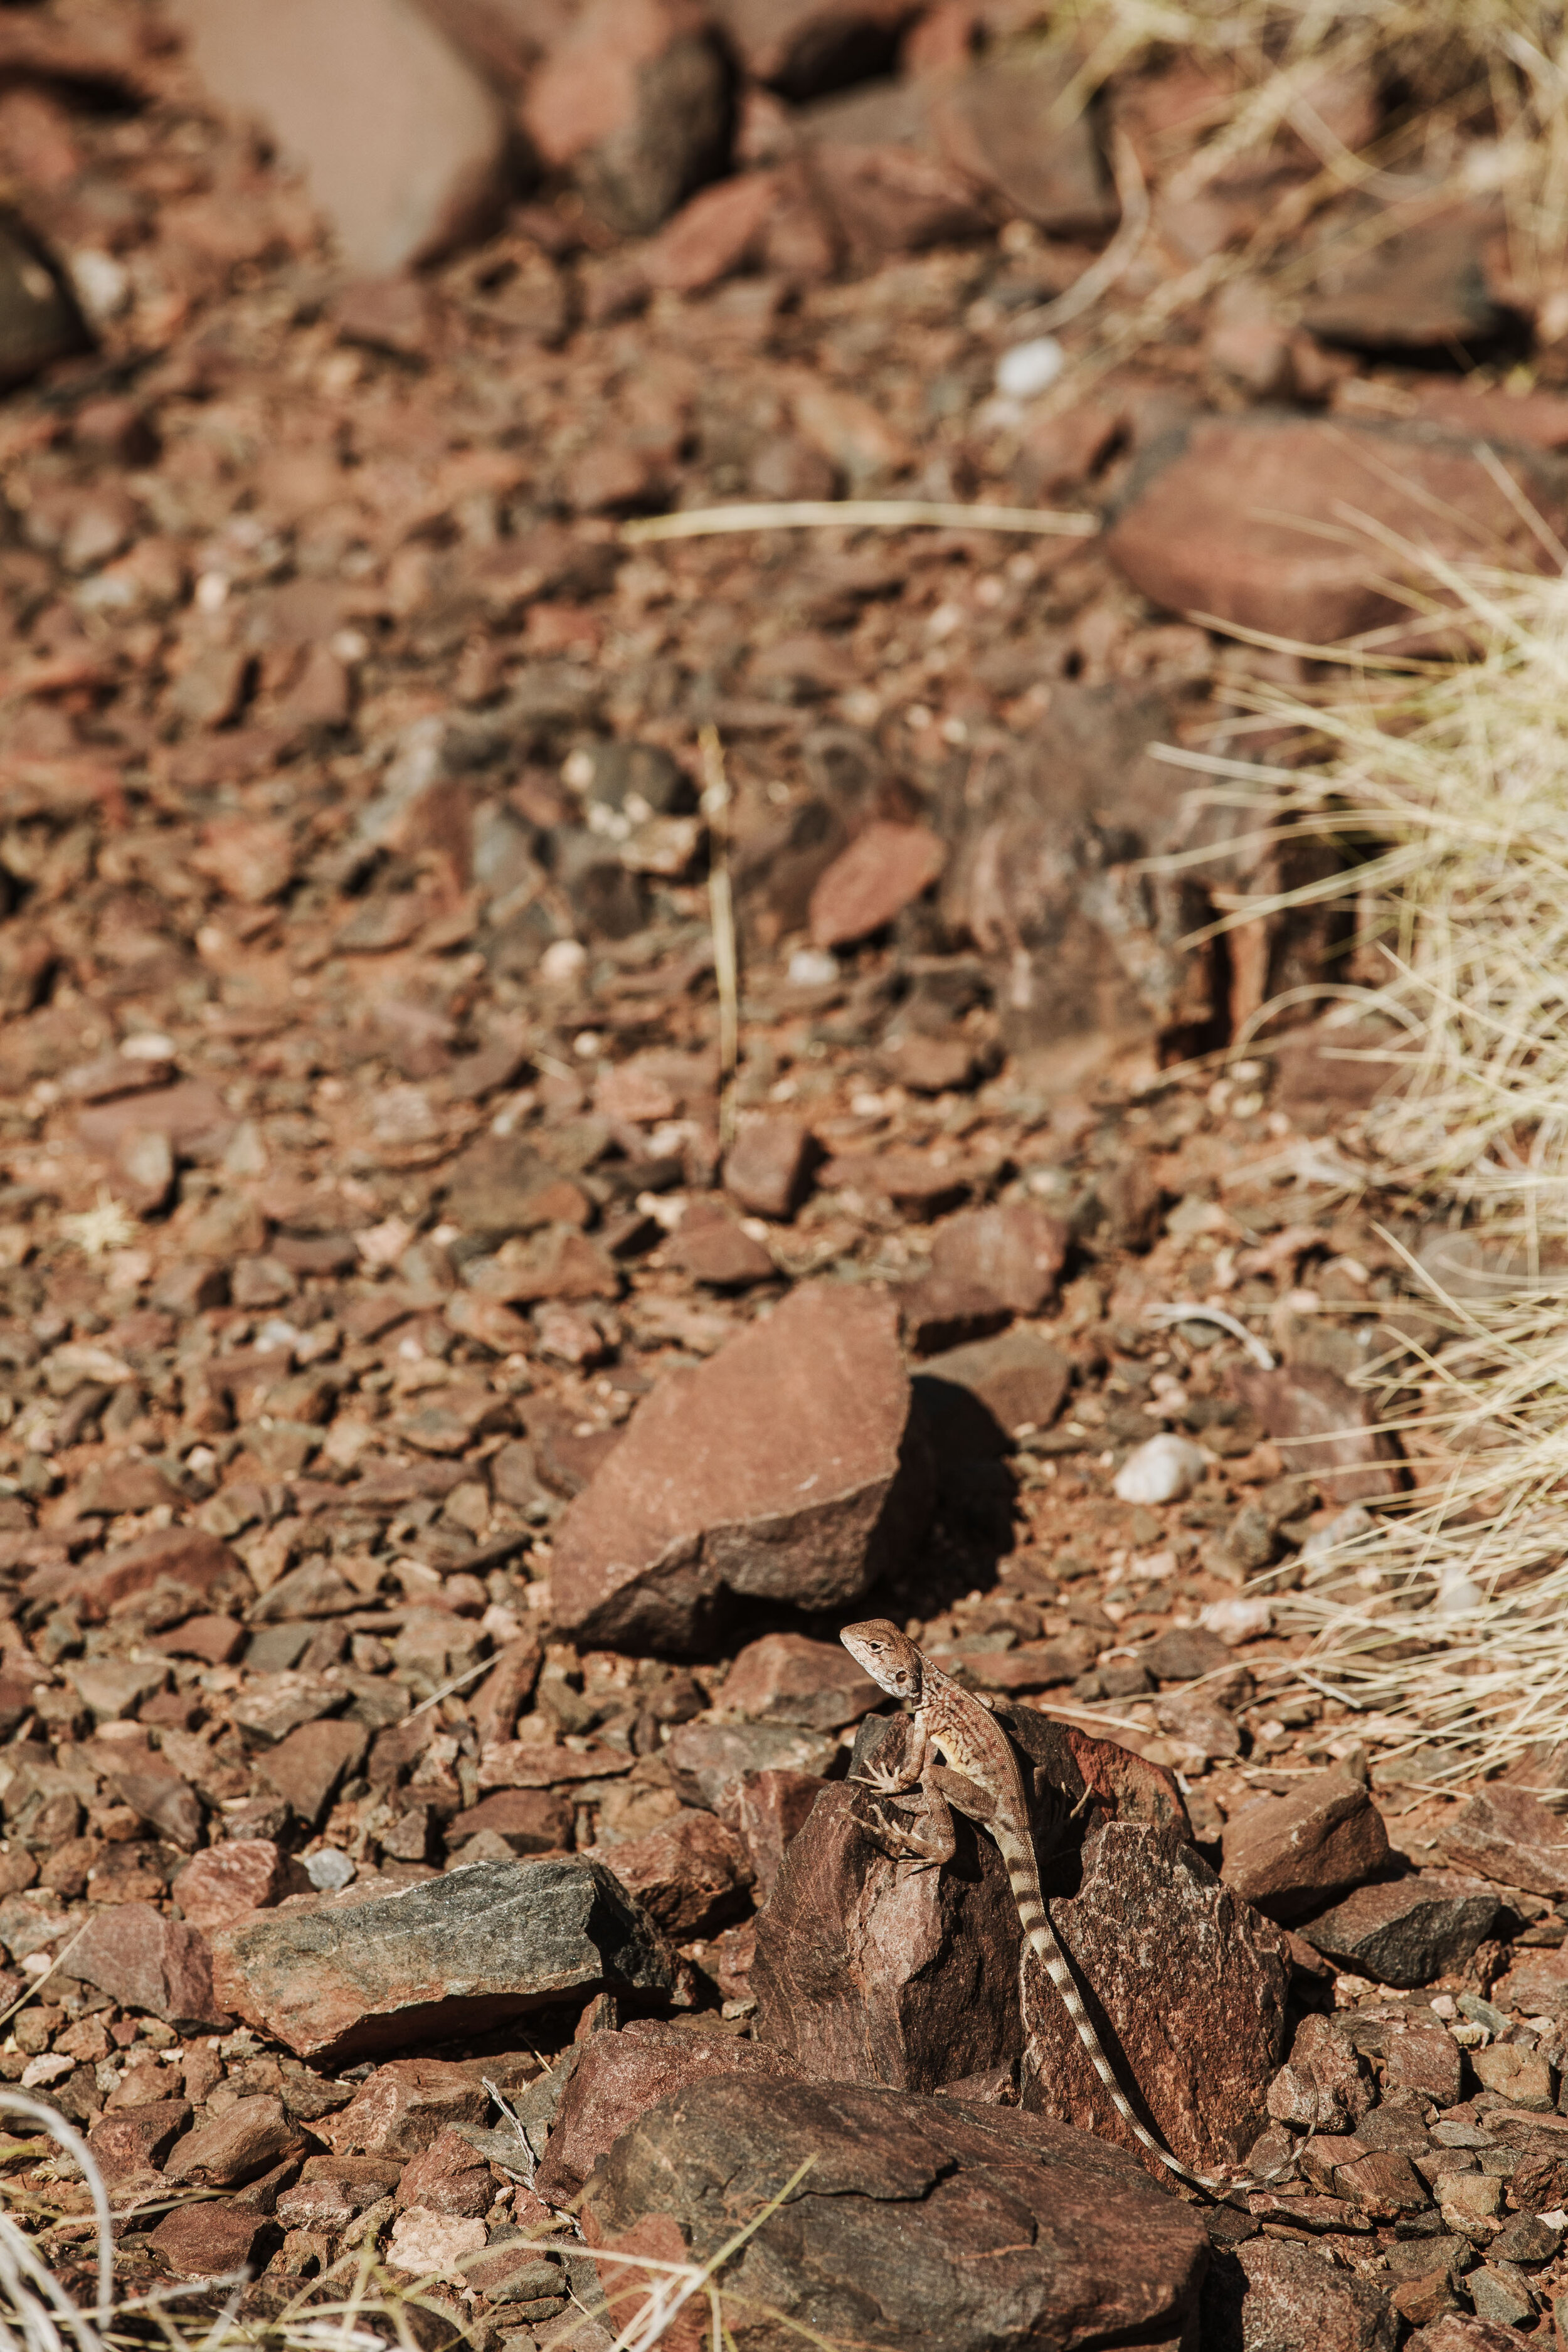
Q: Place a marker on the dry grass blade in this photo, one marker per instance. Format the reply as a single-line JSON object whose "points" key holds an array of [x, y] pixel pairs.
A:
{"points": [[860, 514], [721, 914]]}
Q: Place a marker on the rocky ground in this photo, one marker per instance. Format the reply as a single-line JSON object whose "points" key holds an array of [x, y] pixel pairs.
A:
{"points": [[445, 1418]]}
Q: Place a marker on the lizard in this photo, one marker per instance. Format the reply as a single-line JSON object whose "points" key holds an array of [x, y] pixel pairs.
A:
{"points": [[983, 1779]]}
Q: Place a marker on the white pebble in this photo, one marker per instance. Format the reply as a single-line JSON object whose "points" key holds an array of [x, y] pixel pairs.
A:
{"points": [[1342, 1528], [1237, 1621], [1160, 1471], [813, 968], [1030, 368], [561, 961], [330, 1869]]}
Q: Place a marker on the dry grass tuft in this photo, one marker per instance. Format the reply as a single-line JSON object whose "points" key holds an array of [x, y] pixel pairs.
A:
{"points": [[1447, 779]]}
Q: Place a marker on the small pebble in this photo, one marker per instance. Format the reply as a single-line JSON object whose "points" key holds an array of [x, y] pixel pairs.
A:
{"points": [[1162, 1470], [329, 1870], [1030, 368]]}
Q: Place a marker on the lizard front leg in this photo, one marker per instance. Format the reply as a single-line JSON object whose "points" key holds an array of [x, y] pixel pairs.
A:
{"points": [[898, 1780]]}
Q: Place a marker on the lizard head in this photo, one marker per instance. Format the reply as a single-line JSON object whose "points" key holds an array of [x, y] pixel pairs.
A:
{"points": [[892, 1661]]}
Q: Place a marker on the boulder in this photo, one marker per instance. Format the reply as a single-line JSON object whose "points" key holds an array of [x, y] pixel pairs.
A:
{"points": [[921, 2224], [783, 1470], [619, 2076]]}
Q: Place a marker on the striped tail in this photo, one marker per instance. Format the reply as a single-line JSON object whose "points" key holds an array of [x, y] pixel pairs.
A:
{"points": [[1024, 1876]]}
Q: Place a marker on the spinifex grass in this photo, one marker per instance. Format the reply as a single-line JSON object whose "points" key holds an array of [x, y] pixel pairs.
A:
{"points": [[1447, 779]]}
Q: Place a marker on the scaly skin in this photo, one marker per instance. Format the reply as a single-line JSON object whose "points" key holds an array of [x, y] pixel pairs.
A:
{"points": [[990, 1788]]}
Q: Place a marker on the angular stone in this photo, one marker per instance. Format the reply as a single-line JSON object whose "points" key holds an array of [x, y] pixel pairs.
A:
{"points": [[1196, 2008], [768, 1169], [1408, 1931], [921, 2221], [163, 1805], [207, 2240], [690, 1874], [1014, 1250], [885, 870], [532, 1821], [713, 234], [875, 158], [424, 2243], [1185, 1653], [227, 1880], [403, 2107], [1324, 1429], [708, 1762], [1291, 1855], [714, 1248], [187, 1559], [308, 1766], [634, 102], [147, 1962], [1424, 287], [403, 143], [619, 2076], [460, 1954], [788, 1678], [333, 2189], [1323, 2085], [1536, 1985], [1290, 2297], [245, 2141], [783, 1469], [449, 2177], [1019, 1380], [1521, 2077], [1002, 123], [1505, 1835], [773, 1807], [135, 2141], [1225, 519]]}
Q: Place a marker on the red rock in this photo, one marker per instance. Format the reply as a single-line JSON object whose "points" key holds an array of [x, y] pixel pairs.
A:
{"points": [[532, 1821], [227, 1880], [206, 2240], [1536, 1985], [402, 142], [1014, 1250], [403, 2108], [712, 1247], [1019, 1378], [450, 2176], [801, 47], [192, 1116], [774, 1807], [633, 100], [620, 2075], [1462, 2331], [887, 183], [333, 2189], [1505, 1835], [134, 2142], [787, 1678], [885, 870], [709, 1762], [147, 1962], [776, 1470], [1291, 1855], [713, 235], [690, 1874], [1325, 1429], [922, 1185], [1002, 124], [1228, 522], [769, 1165], [1420, 288], [930, 1065], [245, 2141], [250, 858], [307, 1767], [1290, 2295]]}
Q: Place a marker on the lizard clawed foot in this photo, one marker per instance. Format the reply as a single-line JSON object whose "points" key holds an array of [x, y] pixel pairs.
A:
{"points": [[885, 1778]]}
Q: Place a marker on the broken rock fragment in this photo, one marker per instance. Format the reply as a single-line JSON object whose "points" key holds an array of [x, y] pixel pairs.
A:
{"points": [[921, 2221], [402, 142], [1291, 1855], [1409, 1930], [783, 1469], [458, 1954], [1323, 1427], [620, 2075], [147, 1962], [1507, 1835]]}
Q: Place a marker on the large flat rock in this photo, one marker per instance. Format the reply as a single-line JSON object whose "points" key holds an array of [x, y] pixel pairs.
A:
{"points": [[783, 1469], [333, 1976], [924, 2224]]}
